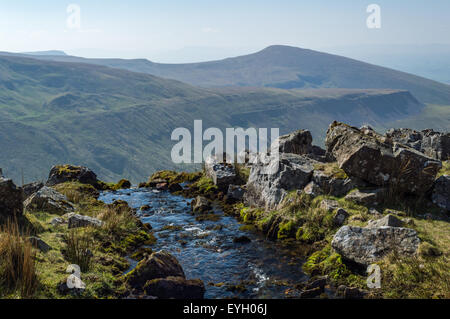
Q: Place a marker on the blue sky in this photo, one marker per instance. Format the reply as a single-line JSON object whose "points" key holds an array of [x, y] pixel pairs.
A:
{"points": [[200, 29]]}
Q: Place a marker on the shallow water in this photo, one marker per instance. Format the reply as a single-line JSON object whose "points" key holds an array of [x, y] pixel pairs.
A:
{"points": [[206, 249]]}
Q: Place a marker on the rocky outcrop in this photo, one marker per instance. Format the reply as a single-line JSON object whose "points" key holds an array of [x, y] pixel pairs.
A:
{"points": [[10, 199], [158, 265], [49, 200], [69, 173], [440, 194], [431, 143], [175, 288], [367, 245], [31, 188], [378, 160], [77, 221], [268, 184], [222, 173]]}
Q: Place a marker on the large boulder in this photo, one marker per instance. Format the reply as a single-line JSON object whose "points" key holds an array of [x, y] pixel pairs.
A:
{"points": [[269, 183], [70, 173], [49, 200], [441, 192], [298, 142], [368, 245], [377, 160], [429, 142], [367, 197], [11, 200], [222, 173], [388, 220], [77, 221], [175, 288], [158, 265]]}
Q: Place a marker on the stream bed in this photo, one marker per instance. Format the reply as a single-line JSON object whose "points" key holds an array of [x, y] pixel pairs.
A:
{"points": [[260, 268]]}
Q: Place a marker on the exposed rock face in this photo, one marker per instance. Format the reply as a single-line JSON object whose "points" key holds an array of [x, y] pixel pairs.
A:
{"points": [[431, 143], [268, 190], [441, 192], [377, 160], [158, 265], [336, 186], [367, 245], [388, 220], [10, 199], [31, 188], [76, 221], [200, 205], [313, 189], [366, 197], [49, 200], [175, 287], [298, 142], [222, 173], [69, 173]]}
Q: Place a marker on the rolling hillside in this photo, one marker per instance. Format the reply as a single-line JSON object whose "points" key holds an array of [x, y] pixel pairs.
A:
{"points": [[119, 123], [283, 67]]}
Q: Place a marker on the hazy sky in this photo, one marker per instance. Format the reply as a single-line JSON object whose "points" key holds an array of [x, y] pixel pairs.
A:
{"points": [[200, 29]]}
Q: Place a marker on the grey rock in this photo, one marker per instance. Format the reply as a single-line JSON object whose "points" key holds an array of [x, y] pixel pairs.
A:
{"points": [[377, 160], [11, 200], [340, 216], [175, 288], [269, 183], [49, 200], [57, 221], [388, 220], [70, 173], [31, 188], [329, 205], [298, 142], [235, 192], [76, 221], [366, 197], [440, 194], [222, 173], [200, 205], [367, 245], [313, 189], [39, 243]]}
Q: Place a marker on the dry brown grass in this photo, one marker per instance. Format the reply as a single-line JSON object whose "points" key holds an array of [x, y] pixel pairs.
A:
{"points": [[17, 261]]}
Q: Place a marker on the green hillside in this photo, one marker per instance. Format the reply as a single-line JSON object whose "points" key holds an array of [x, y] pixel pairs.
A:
{"points": [[119, 123], [284, 67]]}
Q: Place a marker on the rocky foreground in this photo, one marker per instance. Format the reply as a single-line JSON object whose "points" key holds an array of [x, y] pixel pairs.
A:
{"points": [[366, 199]]}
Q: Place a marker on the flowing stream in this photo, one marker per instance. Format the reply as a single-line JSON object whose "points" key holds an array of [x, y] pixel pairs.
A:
{"points": [[206, 250]]}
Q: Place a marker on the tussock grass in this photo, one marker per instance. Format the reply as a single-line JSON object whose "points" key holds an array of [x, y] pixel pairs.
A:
{"points": [[79, 248], [17, 261]]}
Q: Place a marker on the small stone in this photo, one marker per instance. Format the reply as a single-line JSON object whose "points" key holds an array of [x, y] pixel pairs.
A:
{"points": [[340, 216]]}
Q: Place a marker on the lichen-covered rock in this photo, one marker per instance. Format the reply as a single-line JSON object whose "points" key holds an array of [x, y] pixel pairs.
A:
{"points": [[329, 205], [313, 189], [269, 183], [388, 220], [70, 173], [175, 288], [222, 173], [367, 245], [200, 205], [11, 200], [49, 200], [429, 142], [336, 185], [441, 192], [377, 160], [31, 188], [158, 265], [77, 221]]}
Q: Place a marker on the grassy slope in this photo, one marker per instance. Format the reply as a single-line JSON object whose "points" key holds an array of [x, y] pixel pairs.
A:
{"points": [[119, 122], [284, 67]]}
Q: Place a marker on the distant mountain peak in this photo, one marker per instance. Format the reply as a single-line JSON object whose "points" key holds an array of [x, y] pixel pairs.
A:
{"points": [[50, 52]]}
